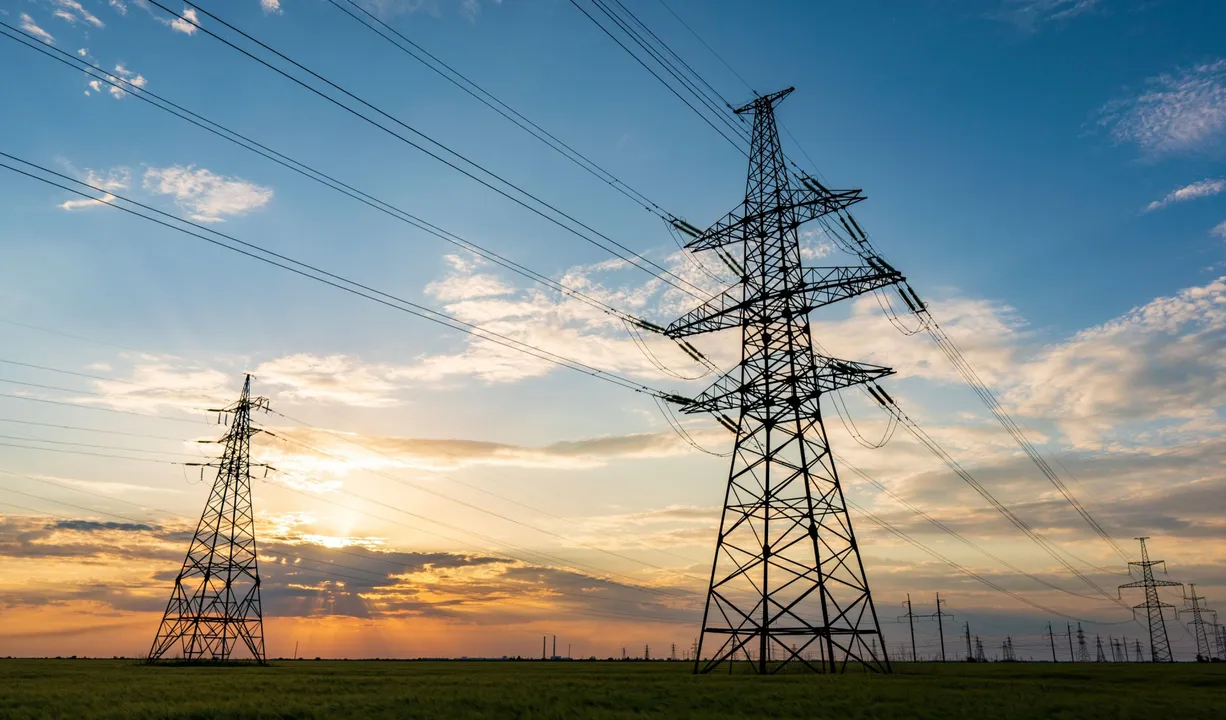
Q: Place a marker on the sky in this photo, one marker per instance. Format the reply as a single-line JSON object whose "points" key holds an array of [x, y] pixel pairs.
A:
{"points": [[1048, 174]]}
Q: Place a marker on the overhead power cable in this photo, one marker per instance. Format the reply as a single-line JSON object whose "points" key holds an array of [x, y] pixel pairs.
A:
{"points": [[492, 180], [322, 276], [723, 133], [305, 170], [377, 25]]}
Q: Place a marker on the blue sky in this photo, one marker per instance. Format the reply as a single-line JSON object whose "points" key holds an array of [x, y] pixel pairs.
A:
{"points": [[1048, 172]]}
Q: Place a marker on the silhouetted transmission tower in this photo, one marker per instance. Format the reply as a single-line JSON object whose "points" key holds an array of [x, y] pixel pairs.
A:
{"points": [[215, 605], [787, 570], [1083, 652], [1204, 649], [1159, 644]]}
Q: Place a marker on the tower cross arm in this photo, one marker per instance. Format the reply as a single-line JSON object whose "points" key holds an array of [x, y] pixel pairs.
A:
{"points": [[819, 287], [801, 204], [730, 393]]}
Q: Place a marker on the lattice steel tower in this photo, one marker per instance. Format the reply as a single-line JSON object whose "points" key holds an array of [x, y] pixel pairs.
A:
{"points": [[215, 605], [787, 577], [1159, 643], [1204, 649]]}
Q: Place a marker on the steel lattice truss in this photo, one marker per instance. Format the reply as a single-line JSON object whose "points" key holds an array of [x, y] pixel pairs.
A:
{"points": [[788, 587], [215, 606], [1159, 643]]}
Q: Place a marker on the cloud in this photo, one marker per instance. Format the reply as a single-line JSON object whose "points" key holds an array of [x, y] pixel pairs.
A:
{"points": [[331, 379], [186, 23], [1029, 14], [391, 8], [346, 453], [1182, 111], [271, 6], [155, 383], [114, 179], [1201, 189], [1219, 230], [28, 24], [72, 11], [117, 90], [207, 197], [119, 6]]}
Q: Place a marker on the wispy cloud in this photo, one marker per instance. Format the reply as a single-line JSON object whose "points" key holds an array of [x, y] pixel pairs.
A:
{"points": [[114, 179], [1029, 14], [1201, 189], [271, 6], [120, 6], [72, 11], [1177, 112], [1219, 230], [207, 197], [118, 90], [28, 24]]}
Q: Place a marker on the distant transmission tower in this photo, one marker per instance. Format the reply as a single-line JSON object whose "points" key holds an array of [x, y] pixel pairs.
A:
{"points": [[940, 624], [1102, 656], [979, 656], [215, 604], [1204, 650], [1159, 643], [1007, 649], [1219, 635], [1140, 657], [1083, 652], [787, 569]]}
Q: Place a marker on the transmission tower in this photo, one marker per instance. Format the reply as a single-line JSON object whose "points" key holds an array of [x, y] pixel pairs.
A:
{"points": [[1219, 636], [1007, 649], [979, 656], [1083, 653], [1102, 656], [215, 604], [1159, 643], [940, 625], [787, 569], [1204, 650], [910, 616]]}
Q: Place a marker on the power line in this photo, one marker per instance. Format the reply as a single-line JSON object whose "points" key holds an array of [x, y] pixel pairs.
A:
{"points": [[656, 75], [486, 98], [339, 282], [663, 274], [309, 172]]}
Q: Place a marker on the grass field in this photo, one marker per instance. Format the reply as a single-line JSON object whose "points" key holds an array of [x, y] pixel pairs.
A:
{"points": [[361, 689]]}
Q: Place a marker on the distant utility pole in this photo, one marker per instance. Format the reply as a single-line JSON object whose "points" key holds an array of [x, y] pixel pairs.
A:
{"points": [[1083, 652], [1072, 657], [940, 625], [1052, 638], [1124, 643], [215, 605], [1102, 657], [1204, 651], [544, 640], [910, 616], [554, 654], [969, 655], [1115, 657], [1159, 643]]}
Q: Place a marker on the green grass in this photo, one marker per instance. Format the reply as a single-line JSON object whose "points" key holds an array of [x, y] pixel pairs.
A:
{"points": [[360, 689]]}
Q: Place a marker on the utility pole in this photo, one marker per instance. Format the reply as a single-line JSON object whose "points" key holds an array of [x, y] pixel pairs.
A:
{"points": [[1052, 638], [215, 605], [940, 625], [1083, 653], [554, 655], [1204, 651], [1115, 656], [785, 539], [544, 639], [1102, 657], [969, 655], [910, 616], [1071, 656], [1159, 643]]}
